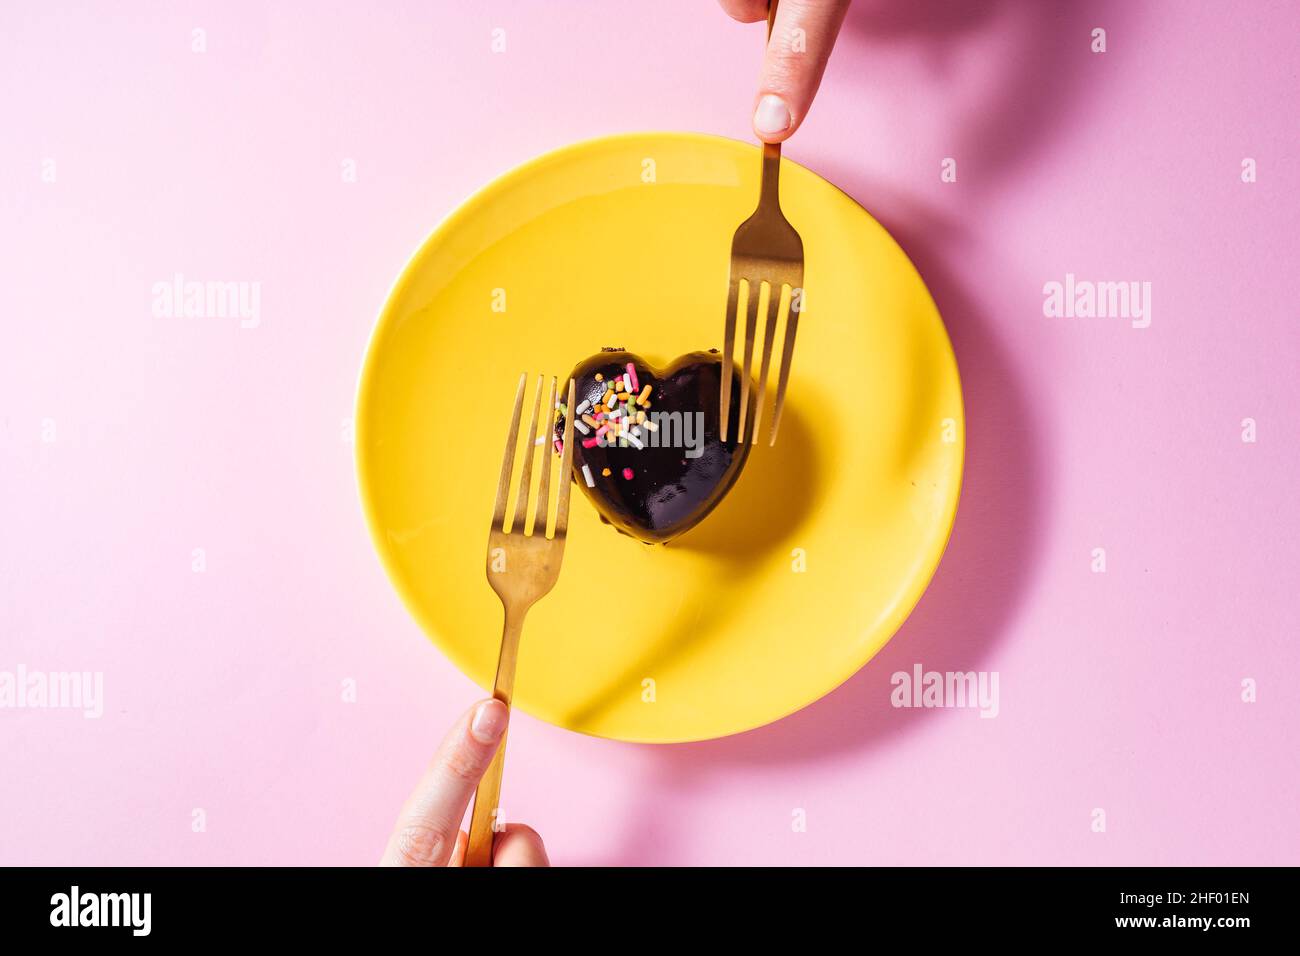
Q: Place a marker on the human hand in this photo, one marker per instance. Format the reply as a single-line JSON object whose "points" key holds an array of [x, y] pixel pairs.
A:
{"points": [[428, 830], [802, 38]]}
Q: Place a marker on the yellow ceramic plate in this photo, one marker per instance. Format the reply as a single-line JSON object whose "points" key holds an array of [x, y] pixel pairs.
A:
{"points": [[827, 540]]}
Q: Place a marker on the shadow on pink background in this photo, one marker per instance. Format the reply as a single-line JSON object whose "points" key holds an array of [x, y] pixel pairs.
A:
{"points": [[1119, 691]]}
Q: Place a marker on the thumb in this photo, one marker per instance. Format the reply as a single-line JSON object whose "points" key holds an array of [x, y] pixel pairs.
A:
{"points": [[800, 45]]}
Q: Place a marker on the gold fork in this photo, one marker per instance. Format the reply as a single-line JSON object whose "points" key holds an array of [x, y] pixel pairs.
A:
{"points": [[766, 250], [522, 566]]}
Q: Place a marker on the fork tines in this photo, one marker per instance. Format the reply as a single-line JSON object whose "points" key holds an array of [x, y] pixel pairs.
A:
{"points": [[776, 299], [766, 254], [533, 442]]}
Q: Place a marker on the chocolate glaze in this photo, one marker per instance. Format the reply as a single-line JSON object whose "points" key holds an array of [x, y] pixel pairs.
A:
{"points": [[671, 490]]}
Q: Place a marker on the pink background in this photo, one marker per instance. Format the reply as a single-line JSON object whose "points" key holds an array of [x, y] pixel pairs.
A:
{"points": [[1119, 691]]}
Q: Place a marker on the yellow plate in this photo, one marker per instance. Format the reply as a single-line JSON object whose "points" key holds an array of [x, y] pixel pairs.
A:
{"points": [[827, 540]]}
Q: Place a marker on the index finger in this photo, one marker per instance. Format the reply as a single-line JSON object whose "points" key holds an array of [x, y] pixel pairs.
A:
{"points": [[796, 56], [429, 823]]}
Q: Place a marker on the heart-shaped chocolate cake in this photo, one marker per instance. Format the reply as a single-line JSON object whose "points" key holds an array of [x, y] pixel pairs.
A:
{"points": [[646, 446]]}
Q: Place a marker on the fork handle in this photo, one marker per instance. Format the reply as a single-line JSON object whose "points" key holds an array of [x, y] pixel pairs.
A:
{"points": [[770, 189], [487, 797], [771, 151]]}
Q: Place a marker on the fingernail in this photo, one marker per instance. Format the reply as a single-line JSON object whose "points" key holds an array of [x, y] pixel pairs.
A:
{"points": [[772, 116], [489, 721]]}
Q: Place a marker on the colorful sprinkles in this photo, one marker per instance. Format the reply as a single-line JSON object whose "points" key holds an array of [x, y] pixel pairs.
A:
{"points": [[618, 418]]}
